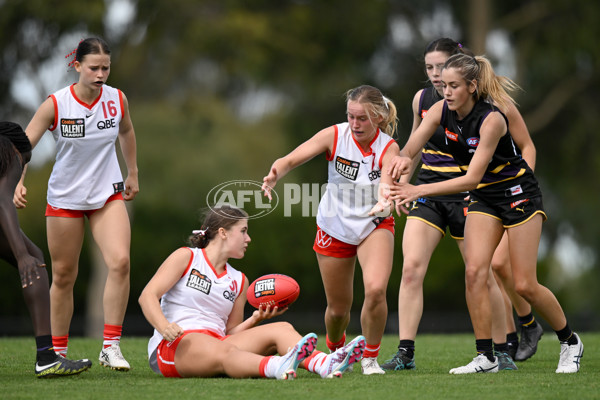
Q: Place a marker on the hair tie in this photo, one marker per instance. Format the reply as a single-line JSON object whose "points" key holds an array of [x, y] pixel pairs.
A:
{"points": [[385, 102], [200, 232], [460, 46]]}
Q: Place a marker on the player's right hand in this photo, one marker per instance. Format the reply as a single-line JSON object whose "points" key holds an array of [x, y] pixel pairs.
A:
{"points": [[172, 332]]}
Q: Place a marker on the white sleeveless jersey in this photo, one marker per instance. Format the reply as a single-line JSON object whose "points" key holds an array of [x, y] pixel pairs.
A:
{"points": [[352, 186], [86, 170], [201, 299]]}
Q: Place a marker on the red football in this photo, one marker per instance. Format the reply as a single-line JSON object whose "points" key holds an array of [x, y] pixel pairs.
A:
{"points": [[273, 289]]}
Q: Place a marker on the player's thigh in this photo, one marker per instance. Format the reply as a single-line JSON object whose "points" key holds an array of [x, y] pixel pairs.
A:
{"points": [[112, 231], [482, 235], [523, 242], [375, 256], [200, 355], [65, 238], [338, 278], [419, 240]]}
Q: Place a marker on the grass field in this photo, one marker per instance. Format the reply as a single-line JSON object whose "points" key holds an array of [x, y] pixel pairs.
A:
{"points": [[436, 354]]}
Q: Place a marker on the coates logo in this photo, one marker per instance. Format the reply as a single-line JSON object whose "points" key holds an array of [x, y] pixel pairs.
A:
{"points": [[473, 141], [516, 203], [246, 195], [451, 135], [423, 113]]}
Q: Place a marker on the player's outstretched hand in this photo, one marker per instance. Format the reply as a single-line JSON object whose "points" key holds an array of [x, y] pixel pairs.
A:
{"points": [[403, 193], [269, 182], [383, 208]]}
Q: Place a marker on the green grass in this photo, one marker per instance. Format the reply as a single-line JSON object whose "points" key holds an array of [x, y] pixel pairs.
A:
{"points": [[436, 354]]}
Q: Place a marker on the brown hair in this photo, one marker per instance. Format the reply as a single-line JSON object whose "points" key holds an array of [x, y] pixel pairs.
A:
{"points": [[92, 45], [214, 218]]}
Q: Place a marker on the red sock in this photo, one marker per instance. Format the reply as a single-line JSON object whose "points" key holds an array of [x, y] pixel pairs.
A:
{"points": [[372, 350], [334, 346], [312, 365], [60, 344], [263, 366], [112, 334]]}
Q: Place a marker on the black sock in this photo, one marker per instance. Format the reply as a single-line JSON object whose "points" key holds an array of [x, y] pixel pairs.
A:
{"points": [[566, 335], [409, 345], [528, 321], [512, 338], [501, 347], [45, 351], [485, 346]]}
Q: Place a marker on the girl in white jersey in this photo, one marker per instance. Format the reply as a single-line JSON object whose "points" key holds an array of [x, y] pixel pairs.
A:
{"points": [[196, 300], [347, 227], [85, 119]]}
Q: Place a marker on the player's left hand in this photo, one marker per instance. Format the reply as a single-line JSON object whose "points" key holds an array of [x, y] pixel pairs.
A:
{"points": [[266, 312], [269, 182], [131, 188]]}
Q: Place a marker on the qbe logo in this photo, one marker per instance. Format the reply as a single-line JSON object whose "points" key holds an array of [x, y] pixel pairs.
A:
{"points": [[244, 194]]}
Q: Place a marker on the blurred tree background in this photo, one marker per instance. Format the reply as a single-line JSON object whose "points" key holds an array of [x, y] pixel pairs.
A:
{"points": [[218, 89]]}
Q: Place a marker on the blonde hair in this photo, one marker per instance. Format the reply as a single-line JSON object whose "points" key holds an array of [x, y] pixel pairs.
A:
{"points": [[376, 104], [491, 87]]}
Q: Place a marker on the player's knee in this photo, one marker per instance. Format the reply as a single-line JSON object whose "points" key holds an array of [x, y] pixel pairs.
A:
{"points": [[119, 265], [375, 294], [526, 289], [282, 326], [338, 313], [63, 275], [412, 274], [475, 277]]}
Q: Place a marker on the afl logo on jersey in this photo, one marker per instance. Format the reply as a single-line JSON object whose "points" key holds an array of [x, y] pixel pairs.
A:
{"points": [[473, 141], [72, 127]]}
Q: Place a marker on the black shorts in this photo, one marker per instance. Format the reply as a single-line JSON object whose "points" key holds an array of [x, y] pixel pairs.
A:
{"points": [[441, 214], [510, 214]]}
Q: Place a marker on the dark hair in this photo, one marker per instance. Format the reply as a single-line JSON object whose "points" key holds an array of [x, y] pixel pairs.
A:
{"points": [[376, 104], [92, 45], [12, 138], [214, 218], [445, 45]]}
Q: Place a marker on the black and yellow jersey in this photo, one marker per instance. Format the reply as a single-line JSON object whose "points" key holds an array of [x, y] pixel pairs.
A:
{"points": [[507, 177], [437, 163]]}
